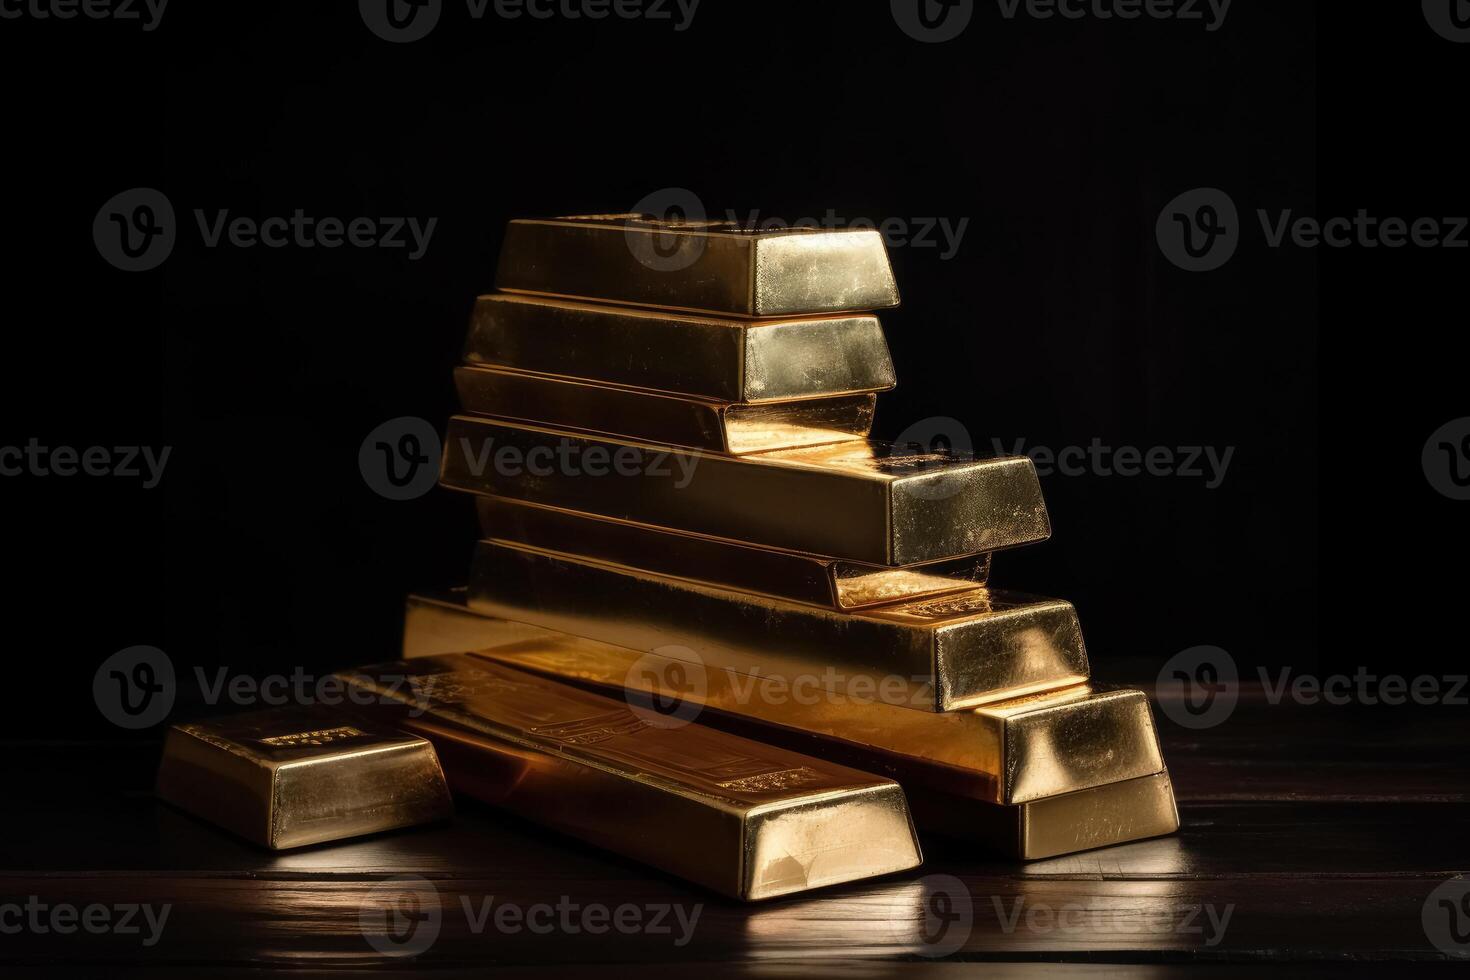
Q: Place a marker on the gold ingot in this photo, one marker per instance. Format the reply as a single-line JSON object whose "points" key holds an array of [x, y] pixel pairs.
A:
{"points": [[934, 655], [708, 266], [289, 777], [720, 427], [748, 820], [1010, 752], [722, 359], [1116, 813], [862, 501], [808, 579]]}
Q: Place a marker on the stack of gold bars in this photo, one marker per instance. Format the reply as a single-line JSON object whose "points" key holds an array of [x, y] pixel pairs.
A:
{"points": [[715, 627]]}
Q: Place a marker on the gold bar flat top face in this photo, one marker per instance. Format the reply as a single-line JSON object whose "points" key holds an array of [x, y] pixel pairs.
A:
{"points": [[718, 427], [978, 647], [740, 361], [289, 777], [863, 501], [807, 579], [748, 819], [1103, 816], [707, 266]]}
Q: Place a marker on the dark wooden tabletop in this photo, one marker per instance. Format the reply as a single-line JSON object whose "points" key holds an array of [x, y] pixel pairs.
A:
{"points": [[1316, 840]]}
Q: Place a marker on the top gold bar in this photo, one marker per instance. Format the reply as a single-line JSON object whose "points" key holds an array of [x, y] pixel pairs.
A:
{"points": [[698, 266]]}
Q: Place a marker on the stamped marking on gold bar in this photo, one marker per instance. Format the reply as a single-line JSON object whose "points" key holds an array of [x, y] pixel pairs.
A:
{"points": [[591, 731], [773, 781], [324, 736]]}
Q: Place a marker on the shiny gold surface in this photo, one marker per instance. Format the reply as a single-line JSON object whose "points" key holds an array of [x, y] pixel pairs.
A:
{"points": [[746, 819], [716, 267], [290, 777], [1009, 752], [935, 655], [1116, 813], [719, 427], [745, 361], [807, 579], [863, 501]]}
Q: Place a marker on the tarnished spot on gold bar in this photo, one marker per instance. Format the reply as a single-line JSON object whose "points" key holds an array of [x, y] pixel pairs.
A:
{"points": [[746, 819], [716, 267], [863, 501], [719, 427], [994, 646], [808, 579], [740, 361], [290, 777]]}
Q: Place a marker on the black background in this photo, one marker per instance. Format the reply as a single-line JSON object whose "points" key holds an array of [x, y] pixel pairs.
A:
{"points": [[1057, 322]]}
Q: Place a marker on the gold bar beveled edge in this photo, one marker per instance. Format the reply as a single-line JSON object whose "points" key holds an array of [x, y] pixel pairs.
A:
{"points": [[200, 768], [1009, 830], [690, 422], [740, 246], [833, 571], [936, 684], [884, 540], [464, 724]]}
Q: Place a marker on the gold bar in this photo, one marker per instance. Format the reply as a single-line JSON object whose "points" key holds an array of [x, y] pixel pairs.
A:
{"points": [[748, 820], [708, 266], [808, 579], [720, 427], [1117, 813], [1010, 752], [863, 501], [937, 655], [287, 777], [746, 361]]}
